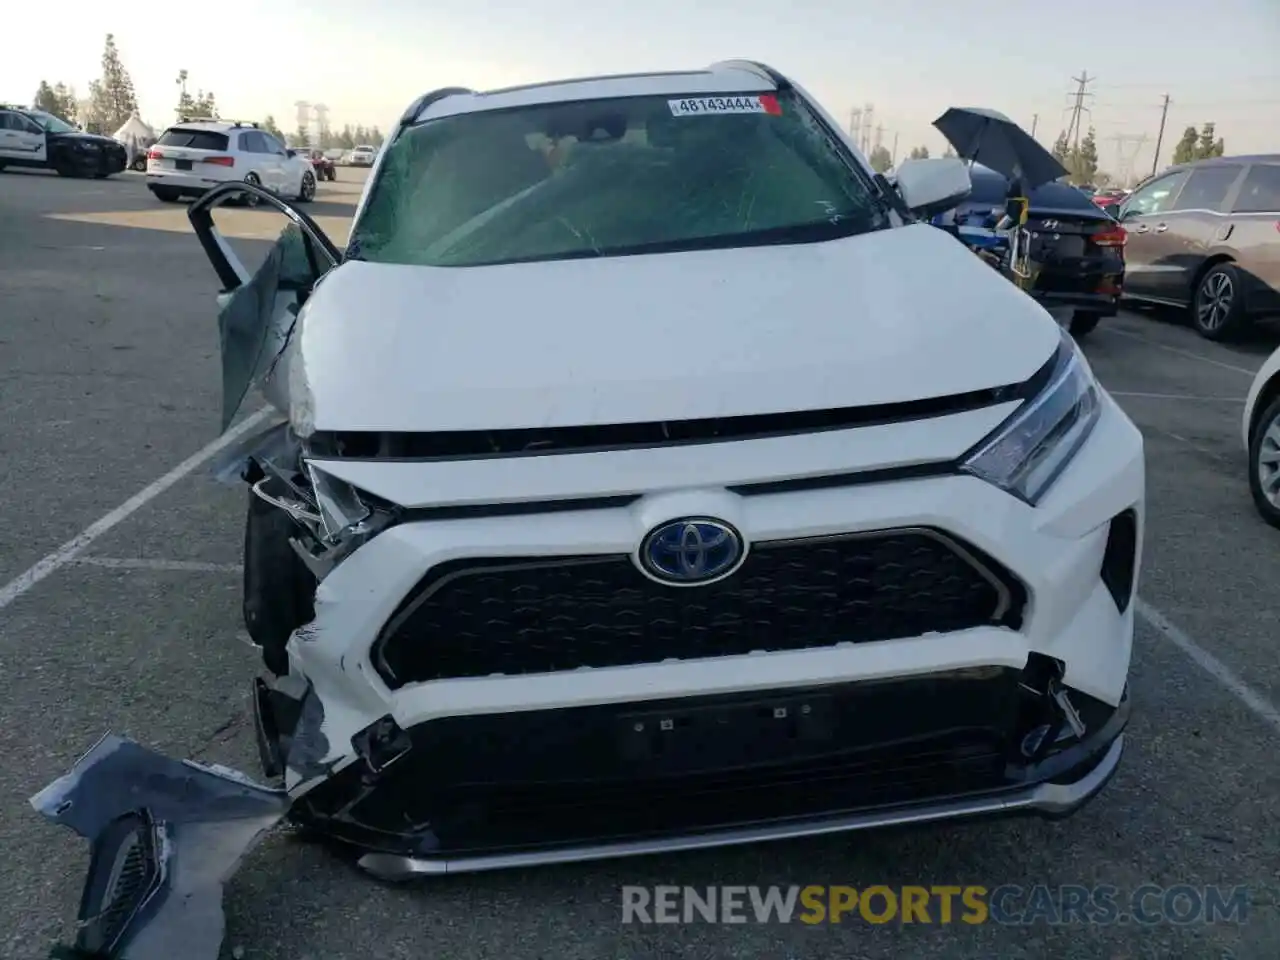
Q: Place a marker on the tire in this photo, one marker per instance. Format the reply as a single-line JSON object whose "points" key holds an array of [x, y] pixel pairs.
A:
{"points": [[139, 165], [279, 590], [1083, 323], [1264, 443], [166, 194], [66, 169], [1217, 307], [250, 199], [307, 188]]}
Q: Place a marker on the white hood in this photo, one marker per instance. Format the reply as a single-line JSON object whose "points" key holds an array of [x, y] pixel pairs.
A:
{"points": [[895, 315]]}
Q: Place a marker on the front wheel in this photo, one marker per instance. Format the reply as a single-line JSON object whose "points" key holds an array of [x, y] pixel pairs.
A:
{"points": [[1217, 309], [1264, 463], [250, 199], [1083, 323], [307, 189]]}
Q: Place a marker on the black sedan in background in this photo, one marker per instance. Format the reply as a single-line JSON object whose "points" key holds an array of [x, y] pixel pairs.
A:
{"points": [[1076, 251]]}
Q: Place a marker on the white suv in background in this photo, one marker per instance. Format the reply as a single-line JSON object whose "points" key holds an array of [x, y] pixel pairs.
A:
{"points": [[194, 156], [362, 156]]}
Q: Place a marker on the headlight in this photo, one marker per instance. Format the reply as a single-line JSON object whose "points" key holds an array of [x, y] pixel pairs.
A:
{"points": [[1028, 451]]}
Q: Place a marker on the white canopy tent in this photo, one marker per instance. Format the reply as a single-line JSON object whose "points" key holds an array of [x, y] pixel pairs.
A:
{"points": [[136, 135]]}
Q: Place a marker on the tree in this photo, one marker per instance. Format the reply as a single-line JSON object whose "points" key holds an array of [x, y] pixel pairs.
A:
{"points": [[950, 154], [918, 153], [112, 96], [95, 118], [45, 99], [1186, 148], [1062, 149], [880, 159], [301, 137], [269, 126], [205, 105], [346, 139], [1207, 146], [69, 106], [1084, 161], [375, 138], [186, 105]]}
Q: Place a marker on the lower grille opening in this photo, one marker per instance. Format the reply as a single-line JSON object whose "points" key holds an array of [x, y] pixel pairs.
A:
{"points": [[496, 783], [587, 774], [1120, 560], [477, 618]]}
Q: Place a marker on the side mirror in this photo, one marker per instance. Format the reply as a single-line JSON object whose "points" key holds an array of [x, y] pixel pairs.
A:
{"points": [[291, 153], [930, 187]]}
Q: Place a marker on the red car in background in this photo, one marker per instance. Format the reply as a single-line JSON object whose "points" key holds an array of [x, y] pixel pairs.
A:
{"points": [[323, 166], [1105, 198]]}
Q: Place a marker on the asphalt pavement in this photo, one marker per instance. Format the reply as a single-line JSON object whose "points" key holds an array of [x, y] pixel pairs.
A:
{"points": [[119, 610]]}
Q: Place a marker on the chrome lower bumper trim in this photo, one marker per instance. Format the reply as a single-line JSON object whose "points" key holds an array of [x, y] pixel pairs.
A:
{"points": [[1051, 799]]}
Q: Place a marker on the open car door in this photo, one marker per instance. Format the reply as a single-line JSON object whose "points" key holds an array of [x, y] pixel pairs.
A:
{"points": [[258, 308]]}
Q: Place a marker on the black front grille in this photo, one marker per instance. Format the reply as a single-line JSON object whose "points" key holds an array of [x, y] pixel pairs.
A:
{"points": [[471, 784], [479, 618]]}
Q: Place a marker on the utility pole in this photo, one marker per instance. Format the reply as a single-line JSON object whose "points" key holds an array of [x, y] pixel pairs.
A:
{"points": [[1128, 146], [855, 125], [893, 157], [1164, 114], [1035, 121], [1073, 129], [879, 137]]}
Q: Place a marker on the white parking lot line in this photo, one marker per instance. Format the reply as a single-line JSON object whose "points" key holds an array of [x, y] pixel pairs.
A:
{"points": [[24, 581], [1174, 396], [142, 563], [1182, 353], [1259, 705]]}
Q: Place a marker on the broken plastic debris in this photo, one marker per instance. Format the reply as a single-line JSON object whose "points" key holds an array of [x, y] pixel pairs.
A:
{"points": [[182, 826]]}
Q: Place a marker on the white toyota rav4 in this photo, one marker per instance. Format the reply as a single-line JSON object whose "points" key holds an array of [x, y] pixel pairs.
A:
{"points": [[650, 477]]}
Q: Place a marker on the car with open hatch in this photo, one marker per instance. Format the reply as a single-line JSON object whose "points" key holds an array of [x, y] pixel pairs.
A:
{"points": [[624, 467], [35, 139], [1075, 250]]}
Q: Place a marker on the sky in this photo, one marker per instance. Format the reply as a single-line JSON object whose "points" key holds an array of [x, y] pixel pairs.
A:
{"points": [[909, 59]]}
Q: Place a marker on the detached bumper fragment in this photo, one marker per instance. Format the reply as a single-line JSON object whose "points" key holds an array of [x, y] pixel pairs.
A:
{"points": [[165, 835]]}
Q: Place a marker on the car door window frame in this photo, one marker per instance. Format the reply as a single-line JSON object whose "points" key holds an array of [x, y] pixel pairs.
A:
{"points": [[273, 146], [226, 264], [1179, 177], [1274, 207], [1224, 204]]}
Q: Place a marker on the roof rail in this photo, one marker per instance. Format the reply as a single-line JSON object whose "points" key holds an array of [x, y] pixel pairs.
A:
{"points": [[426, 100], [762, 70]]}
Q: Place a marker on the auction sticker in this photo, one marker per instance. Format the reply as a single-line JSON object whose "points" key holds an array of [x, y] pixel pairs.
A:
{"points": [[698, 106]]}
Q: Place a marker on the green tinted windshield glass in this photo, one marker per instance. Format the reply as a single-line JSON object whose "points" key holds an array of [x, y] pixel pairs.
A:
{"points": [[610, 177]]}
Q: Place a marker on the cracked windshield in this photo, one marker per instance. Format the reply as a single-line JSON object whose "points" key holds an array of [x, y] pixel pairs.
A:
{"points": [[640, 484]]}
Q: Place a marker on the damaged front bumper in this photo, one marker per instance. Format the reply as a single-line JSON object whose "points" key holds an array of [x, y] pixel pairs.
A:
{"points": [[164, 836], [472, 793]]}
